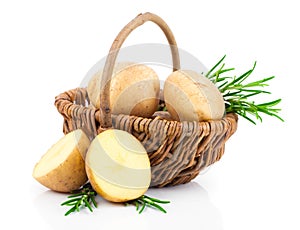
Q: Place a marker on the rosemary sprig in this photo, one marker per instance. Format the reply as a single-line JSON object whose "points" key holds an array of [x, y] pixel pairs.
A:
{"points": [[85, 198], [237, 93], [146, 201], [82, 198]]}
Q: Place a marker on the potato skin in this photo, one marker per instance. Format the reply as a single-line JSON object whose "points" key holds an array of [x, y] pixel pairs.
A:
{"points": [[189, 96], [67, 177], [134, 90], [70, 174]]}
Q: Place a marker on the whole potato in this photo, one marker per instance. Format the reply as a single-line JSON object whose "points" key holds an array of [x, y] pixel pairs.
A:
{"points": [[190, 96], [134, 90]]}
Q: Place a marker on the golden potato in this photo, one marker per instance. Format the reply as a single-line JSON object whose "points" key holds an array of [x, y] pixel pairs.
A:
{"points": [[190, 96], [62, 167], [118, 166], [134, 90]]}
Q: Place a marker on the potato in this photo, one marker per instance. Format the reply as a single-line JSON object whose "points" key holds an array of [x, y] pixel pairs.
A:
{"points": [[118, 166], [134, 90], [62, 167], [190, 96]]}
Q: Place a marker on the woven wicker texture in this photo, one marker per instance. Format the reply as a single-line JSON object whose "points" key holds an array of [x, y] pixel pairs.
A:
{"points": [[178, 151]]}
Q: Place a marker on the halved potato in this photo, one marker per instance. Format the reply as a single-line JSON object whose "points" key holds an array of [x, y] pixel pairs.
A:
{"points": [[62, 167], [118, 166]]}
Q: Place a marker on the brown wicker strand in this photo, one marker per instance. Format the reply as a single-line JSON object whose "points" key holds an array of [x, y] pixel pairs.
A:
{"points": [[180, 150], [105, 111]]}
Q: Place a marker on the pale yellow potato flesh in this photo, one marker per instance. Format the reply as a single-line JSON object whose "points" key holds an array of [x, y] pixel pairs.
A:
{"points": [[118, 166], [190, 96], [134, 90], [62, 167]]}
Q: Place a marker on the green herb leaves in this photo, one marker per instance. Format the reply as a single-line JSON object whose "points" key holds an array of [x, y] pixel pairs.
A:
{"points": [[85, 198], [146, 201], [82, 198], [237, 93]]}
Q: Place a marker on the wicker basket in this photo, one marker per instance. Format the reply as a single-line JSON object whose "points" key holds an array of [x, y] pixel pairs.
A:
{"points": [[178, 151]]}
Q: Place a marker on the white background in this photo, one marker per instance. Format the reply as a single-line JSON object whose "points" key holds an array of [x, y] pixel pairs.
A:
{"points": [[47, 47]]}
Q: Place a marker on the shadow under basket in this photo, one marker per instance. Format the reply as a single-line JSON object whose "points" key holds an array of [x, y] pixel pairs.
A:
{"points": [[178, 151]]}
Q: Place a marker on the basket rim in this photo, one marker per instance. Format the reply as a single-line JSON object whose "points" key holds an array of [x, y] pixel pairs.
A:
{"points": [[67, 102]]}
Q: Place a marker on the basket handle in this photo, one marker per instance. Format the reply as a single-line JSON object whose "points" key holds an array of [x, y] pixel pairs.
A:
{"points": [[105, 110]]}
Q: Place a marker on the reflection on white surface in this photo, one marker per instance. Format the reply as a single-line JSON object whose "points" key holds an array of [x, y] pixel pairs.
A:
{"points": [[190, 207]]}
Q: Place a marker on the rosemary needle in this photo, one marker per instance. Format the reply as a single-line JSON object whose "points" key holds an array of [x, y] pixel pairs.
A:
{"points": [[82, 198], [238, 94], [146, 201], [85, 198]]}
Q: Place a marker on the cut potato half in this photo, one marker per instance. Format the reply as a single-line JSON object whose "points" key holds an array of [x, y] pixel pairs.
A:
{"points": [[62, 167], [118, 166]]}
